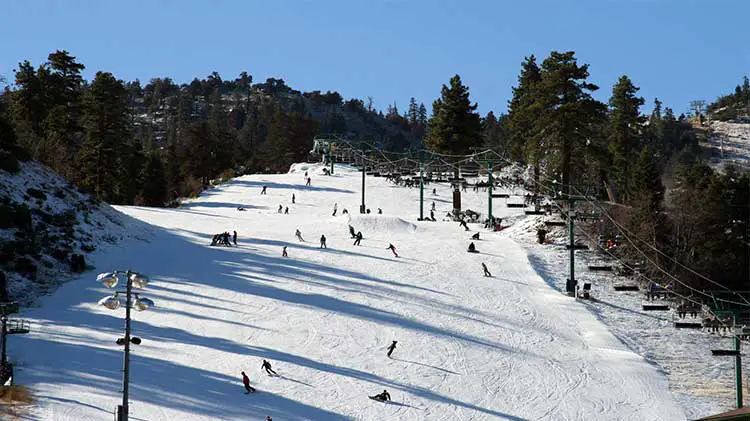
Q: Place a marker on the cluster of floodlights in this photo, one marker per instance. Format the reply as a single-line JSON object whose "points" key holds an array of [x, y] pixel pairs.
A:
{"points": [[120, 298]]}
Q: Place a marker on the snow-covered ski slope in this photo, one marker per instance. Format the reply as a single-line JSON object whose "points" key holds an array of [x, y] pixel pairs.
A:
{"points": [[469, 347]]}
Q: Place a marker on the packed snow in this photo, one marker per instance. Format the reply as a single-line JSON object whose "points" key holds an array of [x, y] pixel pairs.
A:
{"points": [[470, 347]]}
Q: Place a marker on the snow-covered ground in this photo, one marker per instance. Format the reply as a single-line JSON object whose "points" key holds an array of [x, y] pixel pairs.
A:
{"points": [[470, 347], [730, 144]]}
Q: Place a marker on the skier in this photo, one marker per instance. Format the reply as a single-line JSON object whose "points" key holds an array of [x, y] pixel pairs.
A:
{"points": [[308, 181], [234, 237], [463, 224], [351, 232], [283, 252], [323, 242], [246, 382], [432, 215], [305, 174], [475, 236], [392, 248], [263, 191], [298, 234], [335, 208], [267, 366], [472, 248], [286, 210], [380, 211], [434, 192], [268, 418], [384, 397], [390, 348], [281, 208], [358, 238], [292, 198], [433, 206], [344, 212], [486, 271]]}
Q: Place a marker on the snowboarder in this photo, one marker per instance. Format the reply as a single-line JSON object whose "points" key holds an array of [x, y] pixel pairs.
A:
{"points": [[308, 181], [281, 208], [358, 238], [380, 211], [323, 242], [351, 232], [486, 271], [292, 198], [472, 248], [246, 382], [298, 234], [390, 348], [268, 418], [344, 212], [264, 190], [284, 253], [383, 397], [475, 236], [392, 248], [335, 208], [463, 224], [267, 365], [240, 208], [286, 210], [434, 192], [234, 237]]}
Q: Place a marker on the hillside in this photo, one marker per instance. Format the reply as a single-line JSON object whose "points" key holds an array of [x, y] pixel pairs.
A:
{"points": [[470, 347], [729, 144], [43, 221]]}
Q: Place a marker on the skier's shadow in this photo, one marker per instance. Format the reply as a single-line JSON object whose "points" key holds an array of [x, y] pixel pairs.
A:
{"points": [[295, 381], [401, 404], [425, 365]]}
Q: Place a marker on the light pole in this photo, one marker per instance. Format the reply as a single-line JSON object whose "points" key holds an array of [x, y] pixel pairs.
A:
{"points": [[133, 280]]}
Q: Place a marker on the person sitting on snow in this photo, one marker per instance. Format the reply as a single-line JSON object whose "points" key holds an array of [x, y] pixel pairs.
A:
{"points": [[475, 236], [385, 396]]}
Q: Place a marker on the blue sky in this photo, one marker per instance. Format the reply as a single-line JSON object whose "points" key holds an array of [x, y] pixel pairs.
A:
{"points": [[676, 50]]}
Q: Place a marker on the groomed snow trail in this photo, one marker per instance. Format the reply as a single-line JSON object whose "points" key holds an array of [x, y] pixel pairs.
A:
{"points": [[469, 347]]}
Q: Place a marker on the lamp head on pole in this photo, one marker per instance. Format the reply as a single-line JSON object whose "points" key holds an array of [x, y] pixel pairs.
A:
{"points": [[138, 280], [142, 303], [111, 302], [108, 279]]}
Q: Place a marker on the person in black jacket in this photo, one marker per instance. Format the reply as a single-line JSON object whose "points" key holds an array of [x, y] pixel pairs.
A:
{"points": [[385, 396], [358, 238], [391, 348], [268, 368]]}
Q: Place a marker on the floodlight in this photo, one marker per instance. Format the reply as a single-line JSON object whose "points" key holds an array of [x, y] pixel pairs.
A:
{"points": [[109, 279], [142, 303], [112, 302], [135, 340], [138, 280]]}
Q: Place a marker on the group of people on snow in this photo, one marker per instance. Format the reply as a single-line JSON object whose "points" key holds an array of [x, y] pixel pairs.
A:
{"points": [[223, 239]]}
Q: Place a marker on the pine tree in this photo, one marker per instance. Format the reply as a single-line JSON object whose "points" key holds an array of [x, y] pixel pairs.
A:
{"points": [[623, 132], [569, 120], [106, 128], [154, 183], [522, 113], [455, 126]]}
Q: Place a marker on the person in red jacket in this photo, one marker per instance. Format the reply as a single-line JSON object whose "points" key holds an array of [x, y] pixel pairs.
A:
{"points": [[246, 382]]}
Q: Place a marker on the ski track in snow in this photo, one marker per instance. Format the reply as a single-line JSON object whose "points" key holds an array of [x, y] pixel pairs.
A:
{"points": [[469, 347]]}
